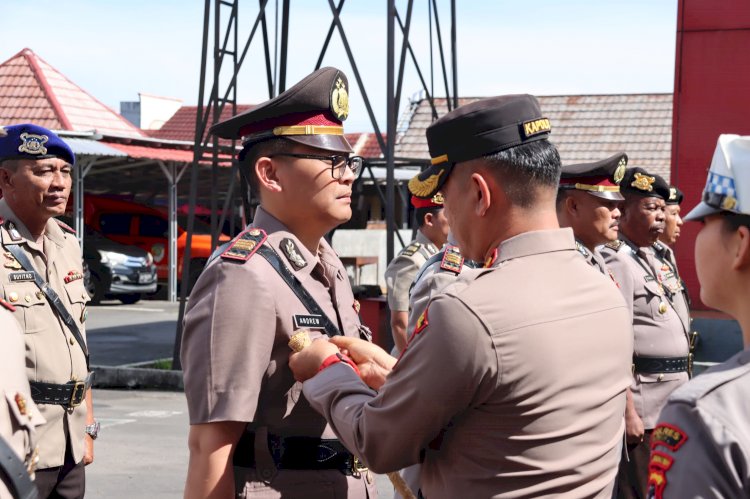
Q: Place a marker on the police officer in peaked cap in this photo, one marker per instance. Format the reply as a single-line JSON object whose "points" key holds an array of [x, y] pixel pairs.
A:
{"points": [[42, 278], [492, 395], [588, 201], [252, 432]]}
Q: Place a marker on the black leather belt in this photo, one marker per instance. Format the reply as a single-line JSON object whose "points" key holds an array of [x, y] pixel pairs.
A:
{"points": [[70, 394], [300, 453], [656, 365]]}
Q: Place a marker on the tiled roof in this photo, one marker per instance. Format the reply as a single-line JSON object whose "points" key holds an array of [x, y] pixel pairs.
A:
{"points": [[365, 144], [584, 128], [33, 91], [181, 126]]}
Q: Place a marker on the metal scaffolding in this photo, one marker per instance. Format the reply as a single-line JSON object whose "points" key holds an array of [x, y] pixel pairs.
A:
{"points": [[228, 58]]}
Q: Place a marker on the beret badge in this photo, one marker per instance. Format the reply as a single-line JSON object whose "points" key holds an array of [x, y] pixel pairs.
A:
{"points": [[643, 182], [620, 172], [340, 99], [33, 144]]}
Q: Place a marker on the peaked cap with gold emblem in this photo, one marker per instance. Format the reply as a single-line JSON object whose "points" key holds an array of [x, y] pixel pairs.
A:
{"points": [[311, 112], [475, 130], [639, 182], [601, 178], [29, 141]]}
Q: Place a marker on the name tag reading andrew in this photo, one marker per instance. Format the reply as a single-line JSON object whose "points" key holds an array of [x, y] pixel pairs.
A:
{"points": [[308, 321], [21, 276]]}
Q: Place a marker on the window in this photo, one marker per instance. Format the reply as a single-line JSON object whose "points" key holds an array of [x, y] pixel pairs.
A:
{"points": [[115, 224], [153, 226]]}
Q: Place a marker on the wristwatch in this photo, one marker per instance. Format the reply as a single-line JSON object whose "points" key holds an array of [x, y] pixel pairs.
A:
{"points": [[92, 430]]}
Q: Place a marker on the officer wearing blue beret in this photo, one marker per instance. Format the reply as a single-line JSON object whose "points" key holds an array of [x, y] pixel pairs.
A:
{"points": [[42, 277]]}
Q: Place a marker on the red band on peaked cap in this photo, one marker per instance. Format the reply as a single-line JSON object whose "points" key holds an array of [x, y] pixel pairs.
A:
{"points": [[294, 119], [607, 181], [424, 203]]}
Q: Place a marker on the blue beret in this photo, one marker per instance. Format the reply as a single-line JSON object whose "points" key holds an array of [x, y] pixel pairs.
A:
{"points": [[30, 141]]}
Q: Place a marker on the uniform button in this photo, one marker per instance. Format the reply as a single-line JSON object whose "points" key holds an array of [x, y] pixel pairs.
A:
{"points": [[661, 377], [13, 296], [83, 295], [662, 308], [27, 298], [39, 295], [71, 341]]}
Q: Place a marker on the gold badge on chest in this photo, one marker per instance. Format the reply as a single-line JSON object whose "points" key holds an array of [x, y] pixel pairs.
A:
{"points": [[11, 262]]}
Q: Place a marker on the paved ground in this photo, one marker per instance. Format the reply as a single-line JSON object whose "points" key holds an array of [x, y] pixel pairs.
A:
{"points": [[124, 334], [142, 451]]}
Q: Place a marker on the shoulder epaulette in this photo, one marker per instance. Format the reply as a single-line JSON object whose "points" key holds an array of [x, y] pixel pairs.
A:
{"points": [[411, 249], [711, 380], [615, 245], [65, 227], [452, 260], [7, 305], [659, 247], [245, 245]]}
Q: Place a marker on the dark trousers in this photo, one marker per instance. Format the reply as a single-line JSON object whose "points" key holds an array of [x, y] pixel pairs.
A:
{"points": [[62, 482], [632, 476]]}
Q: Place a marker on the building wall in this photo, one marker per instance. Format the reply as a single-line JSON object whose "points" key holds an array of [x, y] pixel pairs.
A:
{"points": [[712, 78]]}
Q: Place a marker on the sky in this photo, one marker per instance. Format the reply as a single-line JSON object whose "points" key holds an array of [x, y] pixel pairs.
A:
{"points": [[116, 49]]}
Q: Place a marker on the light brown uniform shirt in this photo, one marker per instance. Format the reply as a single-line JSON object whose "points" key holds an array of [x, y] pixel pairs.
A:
{"points": [[701, 445], [235, 353], [664, 261], [400, 273], [509, 390], [18, 414], [656, 333], [52, 353]]}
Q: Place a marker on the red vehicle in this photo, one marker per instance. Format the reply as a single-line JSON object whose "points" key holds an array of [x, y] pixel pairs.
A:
{"points": [[148, 228]]}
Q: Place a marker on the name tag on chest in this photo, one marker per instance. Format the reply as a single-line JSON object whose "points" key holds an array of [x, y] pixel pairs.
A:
{"points": [[21, 276], [309, 322]]}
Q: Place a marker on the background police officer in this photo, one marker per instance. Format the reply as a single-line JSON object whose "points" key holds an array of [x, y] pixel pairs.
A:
{"points": [[35, 178], [700, 446], [660, 351], [432, 232], [277, 276]]}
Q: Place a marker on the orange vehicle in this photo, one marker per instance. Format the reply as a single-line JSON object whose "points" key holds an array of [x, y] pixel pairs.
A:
{"points": [[148, 228]]}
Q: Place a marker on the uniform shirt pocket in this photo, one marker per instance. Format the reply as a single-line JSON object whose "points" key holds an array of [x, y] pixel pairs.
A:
{"points": [[29, 302], [77, 299]]}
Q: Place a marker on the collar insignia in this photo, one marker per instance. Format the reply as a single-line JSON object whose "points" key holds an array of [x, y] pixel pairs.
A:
{"points": [[643, 182], [292, 253], [340, 99], [14, 234], [33, 144]]}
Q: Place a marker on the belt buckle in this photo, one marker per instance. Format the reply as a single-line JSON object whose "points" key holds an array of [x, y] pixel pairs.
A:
{"points": [[79, 388]]}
